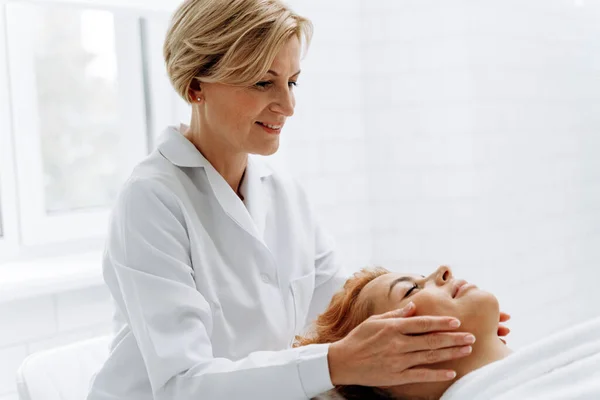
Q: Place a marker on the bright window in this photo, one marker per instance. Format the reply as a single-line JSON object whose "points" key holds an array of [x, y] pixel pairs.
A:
{"points": [[86, 97]]}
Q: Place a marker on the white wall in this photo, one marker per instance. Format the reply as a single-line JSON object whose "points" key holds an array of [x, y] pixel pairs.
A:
{"points": [[324, 143], [483, 142], [429, 133], [35, 324]]}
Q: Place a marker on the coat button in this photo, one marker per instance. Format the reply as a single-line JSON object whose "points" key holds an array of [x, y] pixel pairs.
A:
{"points": [[265, 278]]}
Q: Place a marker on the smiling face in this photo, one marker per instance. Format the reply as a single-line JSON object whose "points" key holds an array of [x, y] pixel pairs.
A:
{"points": [[236, 116], [436, 294]]}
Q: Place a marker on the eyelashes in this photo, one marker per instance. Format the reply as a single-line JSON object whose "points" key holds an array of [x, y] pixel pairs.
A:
{"points": [[266, 84], [411, 289]]}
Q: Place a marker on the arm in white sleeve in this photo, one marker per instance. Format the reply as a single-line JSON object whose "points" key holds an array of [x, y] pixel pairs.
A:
{"points": [[148, 269]]}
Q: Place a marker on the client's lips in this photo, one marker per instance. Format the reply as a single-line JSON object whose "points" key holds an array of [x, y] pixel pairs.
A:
{"points": [[457, 285]]}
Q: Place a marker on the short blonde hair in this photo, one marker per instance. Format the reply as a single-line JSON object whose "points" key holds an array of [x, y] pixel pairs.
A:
{"points": [[228, 41]]}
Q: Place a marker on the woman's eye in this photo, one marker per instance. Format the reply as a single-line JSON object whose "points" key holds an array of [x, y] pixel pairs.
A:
{"points": [[264, 84], [411, 289]]}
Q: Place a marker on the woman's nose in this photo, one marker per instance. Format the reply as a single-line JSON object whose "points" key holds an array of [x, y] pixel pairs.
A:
{"points": [[285, 103], [442, 275]]}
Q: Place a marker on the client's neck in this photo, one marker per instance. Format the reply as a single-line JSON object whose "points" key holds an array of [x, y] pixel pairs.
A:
{"points": [[486, 349]]}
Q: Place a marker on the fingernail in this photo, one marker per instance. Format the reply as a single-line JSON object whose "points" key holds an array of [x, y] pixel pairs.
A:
{"points": [[409, 307], [466, 349], [469, 339], [451, 374], [454, 323]]}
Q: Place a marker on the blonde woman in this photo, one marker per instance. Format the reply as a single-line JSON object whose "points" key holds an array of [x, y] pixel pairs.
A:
{"points": [[215, 260]]}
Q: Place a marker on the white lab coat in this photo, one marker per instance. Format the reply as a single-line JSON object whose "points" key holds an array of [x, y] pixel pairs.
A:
{"points": [[210, 290]]}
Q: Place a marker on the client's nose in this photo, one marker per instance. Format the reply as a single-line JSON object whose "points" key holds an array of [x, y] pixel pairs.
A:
{"points": [[443, 275]]}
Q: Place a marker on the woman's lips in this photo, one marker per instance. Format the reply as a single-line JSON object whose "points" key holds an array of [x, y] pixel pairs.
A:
{"points": [[457, 286], [270, 130], [464, 288]]}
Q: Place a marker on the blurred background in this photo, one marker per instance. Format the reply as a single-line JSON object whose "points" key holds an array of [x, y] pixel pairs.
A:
{"points": [[460, 132]]}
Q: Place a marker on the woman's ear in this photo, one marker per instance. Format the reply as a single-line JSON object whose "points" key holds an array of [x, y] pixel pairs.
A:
{"points": [[195, 92]]}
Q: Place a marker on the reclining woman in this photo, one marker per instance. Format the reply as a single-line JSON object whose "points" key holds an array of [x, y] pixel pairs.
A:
{"points": [[373, 292]]}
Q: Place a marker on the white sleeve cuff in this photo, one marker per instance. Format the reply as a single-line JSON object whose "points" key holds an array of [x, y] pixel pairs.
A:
{"points": [[313, 369]]}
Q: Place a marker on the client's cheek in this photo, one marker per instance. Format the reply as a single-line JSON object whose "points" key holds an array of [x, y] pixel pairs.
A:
{"points": [[423, 305], [381, 307], [427, 304]]}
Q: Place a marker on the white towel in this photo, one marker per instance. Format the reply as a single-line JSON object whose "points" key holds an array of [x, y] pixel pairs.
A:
{"points": [[565, 365]]}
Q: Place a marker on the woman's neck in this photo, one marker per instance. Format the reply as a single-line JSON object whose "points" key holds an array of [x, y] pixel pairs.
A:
{"points": [[229, 164], [487, 349]]}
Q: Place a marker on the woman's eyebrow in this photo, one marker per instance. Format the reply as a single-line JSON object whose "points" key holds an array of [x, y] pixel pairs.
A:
{"points": [[401, 279], [276, 74]]}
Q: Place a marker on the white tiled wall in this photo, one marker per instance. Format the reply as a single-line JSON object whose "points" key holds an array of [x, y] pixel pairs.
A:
{"points": [[324, 143], [429, 132], [41, 323], [483, 139]]}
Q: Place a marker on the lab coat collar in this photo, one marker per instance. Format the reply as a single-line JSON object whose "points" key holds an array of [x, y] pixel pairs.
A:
{"points": [[250, 214], [181, 152]]}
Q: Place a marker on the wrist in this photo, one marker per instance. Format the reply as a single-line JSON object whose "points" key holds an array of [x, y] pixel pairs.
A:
{"points": [[336, 364]]}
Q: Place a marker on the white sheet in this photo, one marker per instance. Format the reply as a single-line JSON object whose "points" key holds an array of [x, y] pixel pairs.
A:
{"points": [[565, 365]]}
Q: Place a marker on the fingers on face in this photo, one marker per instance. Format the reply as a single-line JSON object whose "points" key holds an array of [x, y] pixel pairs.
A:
{"points": [[426, 324], [420, 375], [503, 330], [405, 311], [441, 340], [504, 317], [437, 356]]}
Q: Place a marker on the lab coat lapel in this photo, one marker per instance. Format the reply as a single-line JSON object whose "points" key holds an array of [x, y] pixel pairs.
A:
{"points": [[230, 201], [181, 152], [256, 198]]}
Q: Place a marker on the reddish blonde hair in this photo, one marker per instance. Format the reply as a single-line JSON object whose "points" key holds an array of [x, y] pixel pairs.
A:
{"points": [[343, 314]]}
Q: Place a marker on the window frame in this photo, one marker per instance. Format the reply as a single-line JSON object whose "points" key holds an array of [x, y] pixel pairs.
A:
{"points": [[9, 240], [158, 87], [38, 228]]}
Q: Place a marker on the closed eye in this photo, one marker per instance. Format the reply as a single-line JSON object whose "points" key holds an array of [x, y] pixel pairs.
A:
{"points": [[410, 290]]}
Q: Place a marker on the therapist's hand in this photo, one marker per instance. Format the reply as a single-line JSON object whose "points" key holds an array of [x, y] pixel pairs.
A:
{"points": [[383, 350], [503, 330]]}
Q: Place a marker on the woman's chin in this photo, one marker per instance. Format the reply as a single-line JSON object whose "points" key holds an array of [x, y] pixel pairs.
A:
{"points": [[267, 149], [481, 311]]}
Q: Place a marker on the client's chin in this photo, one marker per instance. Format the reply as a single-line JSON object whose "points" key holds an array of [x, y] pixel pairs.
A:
{"points": [[480, 315]]}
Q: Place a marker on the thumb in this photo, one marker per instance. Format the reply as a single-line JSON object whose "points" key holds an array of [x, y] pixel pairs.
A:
{"points": [[405, 311]]}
